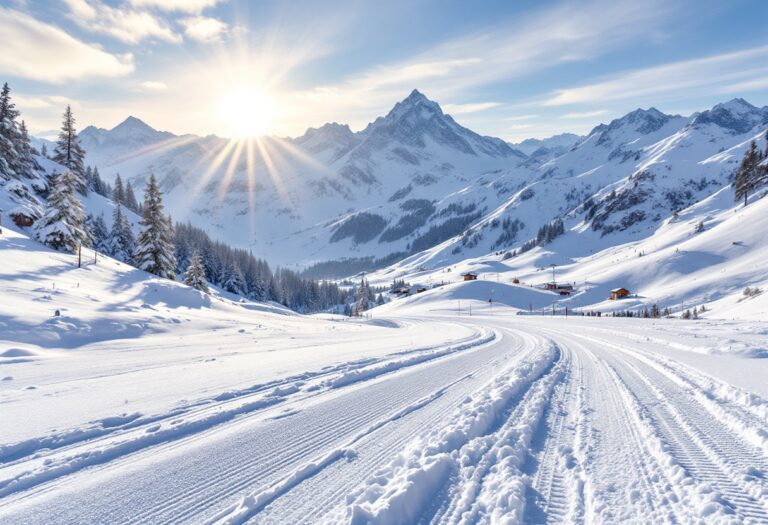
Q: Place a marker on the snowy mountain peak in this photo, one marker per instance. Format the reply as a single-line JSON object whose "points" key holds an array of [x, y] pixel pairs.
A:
{"points": [[640, 121], [132, 132], [417, 118], [737, 116], [415, 105], [133, 125]]}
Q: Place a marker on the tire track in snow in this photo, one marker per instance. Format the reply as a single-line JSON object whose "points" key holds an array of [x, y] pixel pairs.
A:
{"points": [[402, 490], [242, 475], [555, 494], [325, 501], [733, 470], [46, 467]]}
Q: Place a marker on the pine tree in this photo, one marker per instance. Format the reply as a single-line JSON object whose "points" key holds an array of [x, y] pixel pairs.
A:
{"points": [[27, 163], [121, 241], [233, 278], [118, 194], [61, 226], [155, 251], [362, 302], [98, 184], [749, 173], [9, 155], [99, 233], [195, 274], [68, 152], [130, 199]]}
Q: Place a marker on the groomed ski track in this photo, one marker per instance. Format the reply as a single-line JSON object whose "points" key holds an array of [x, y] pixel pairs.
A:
{"points": [[530, 420]]}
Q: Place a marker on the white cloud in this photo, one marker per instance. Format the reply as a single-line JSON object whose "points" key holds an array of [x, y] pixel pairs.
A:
{"points": [[184, 6], [462, 109], [518, 118], [25, 103], [39, 51], [125, 24], [584, 114], [153, 85], [204, 29], [717, 73]]}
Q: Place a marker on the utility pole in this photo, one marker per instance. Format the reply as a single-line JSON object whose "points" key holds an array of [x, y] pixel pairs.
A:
{"points": [[79, 255]]}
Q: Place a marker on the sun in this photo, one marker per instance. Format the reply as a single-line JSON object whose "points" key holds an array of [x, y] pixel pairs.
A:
{"points": [[246, 112]]}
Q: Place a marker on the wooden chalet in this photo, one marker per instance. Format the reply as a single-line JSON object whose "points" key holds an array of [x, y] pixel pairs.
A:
{"points": [[23, 216], [469, 276], [619, 293]]}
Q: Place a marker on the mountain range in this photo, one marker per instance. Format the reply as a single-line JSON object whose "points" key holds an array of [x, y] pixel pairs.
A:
{"points": [[414, 183]]}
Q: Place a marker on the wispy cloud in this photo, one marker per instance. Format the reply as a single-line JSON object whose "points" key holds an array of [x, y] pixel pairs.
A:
{"points": [[584, 114], [39, 51], [123, 23], [153, 85], [516, 118], [717, 73], [184, 6], [462, 109], [204, 29]]}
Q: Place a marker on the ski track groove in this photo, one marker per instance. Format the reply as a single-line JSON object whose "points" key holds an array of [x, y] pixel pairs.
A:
{"points": [[548, 493], [505, 431], [299, 514], [706, 448], [479, 339]]}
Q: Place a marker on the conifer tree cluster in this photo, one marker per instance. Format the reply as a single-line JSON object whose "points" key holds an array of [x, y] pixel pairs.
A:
{"points": [[16, 151], [238, 271], [752, 172], [364, 297]]}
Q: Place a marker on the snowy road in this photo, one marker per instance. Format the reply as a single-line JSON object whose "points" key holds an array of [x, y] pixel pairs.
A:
{"points": [[528, 420]]}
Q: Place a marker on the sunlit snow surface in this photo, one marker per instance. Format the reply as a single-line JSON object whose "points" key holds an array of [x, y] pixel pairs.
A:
{"points": [[147, 402]]}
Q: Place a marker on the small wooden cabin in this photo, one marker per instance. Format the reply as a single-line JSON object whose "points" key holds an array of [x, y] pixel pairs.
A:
{"points": [[515, 281], [470, 276], [23, 217], [619, 293]]}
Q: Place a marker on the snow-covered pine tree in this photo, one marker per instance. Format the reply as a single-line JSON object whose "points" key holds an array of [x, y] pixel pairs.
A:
{"points": [[155, 251], [749, 173], [130, 199], [27, 163], [195, 274], [99, 233], [362, 302], [9, 155], [118, 193], [232, 280], [99, 186], [68, 151], [121, 241], [61, 226]]}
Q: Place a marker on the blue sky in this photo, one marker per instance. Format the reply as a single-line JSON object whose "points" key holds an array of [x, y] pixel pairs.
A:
{"points": [[512, 69]]}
